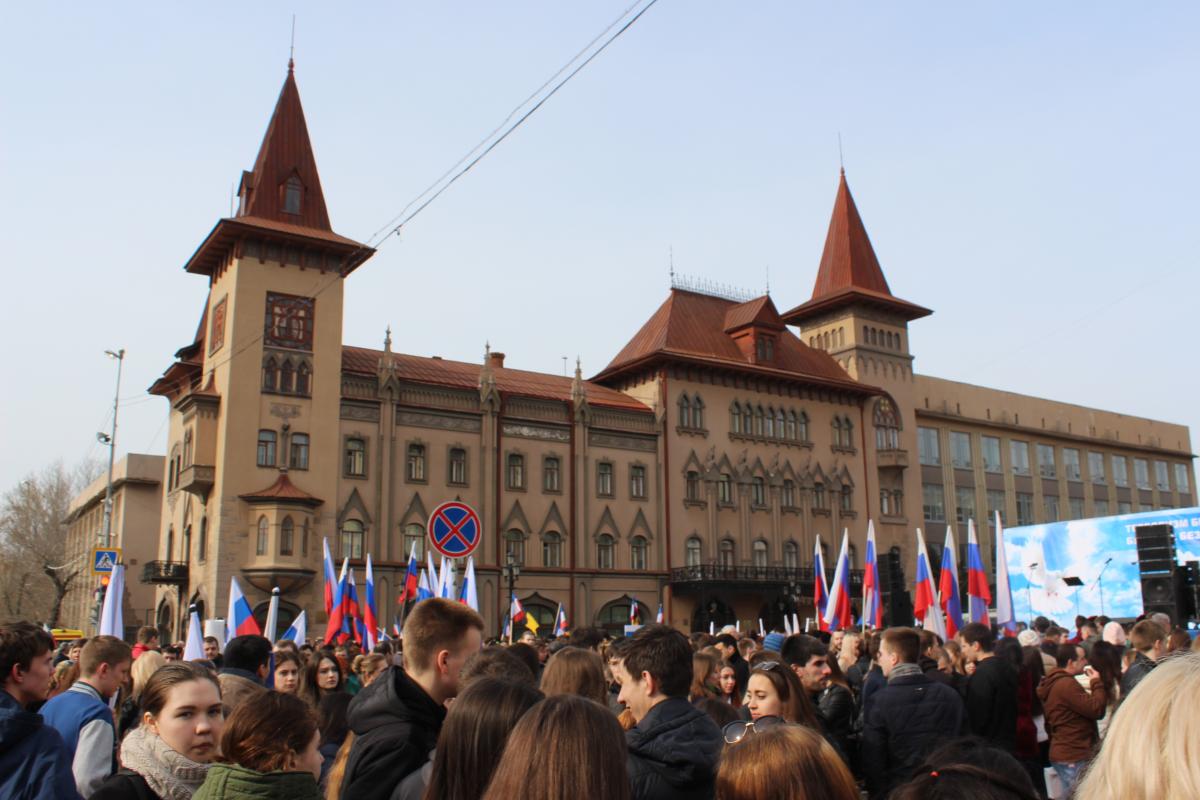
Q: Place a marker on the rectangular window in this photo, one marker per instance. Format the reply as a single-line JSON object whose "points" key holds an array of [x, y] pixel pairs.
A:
{"points": [[1162, 477], [416, 462], [1050, 502], [995, 502], [1096, 466], [1018, 452], [1124, 507], [1046, 467], [552, 475], [516, 471], [1120, 469], [356, 458], [1071, 464], [964, 500], [788, 498], [819, 499], [1144, 507], [1024, 508], [1182, 482], [692, 485], [458, 466], [298, 457], [1075, 507], [927, 446], [1141, 473], [934, 502], [725, 489], [1101, 507], [990, 446], [637, 481], [960, 449], [604, 479], [266, 449]]}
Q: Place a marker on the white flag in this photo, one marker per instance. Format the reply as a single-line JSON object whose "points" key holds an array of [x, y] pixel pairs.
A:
{"points": [[112, 615]]}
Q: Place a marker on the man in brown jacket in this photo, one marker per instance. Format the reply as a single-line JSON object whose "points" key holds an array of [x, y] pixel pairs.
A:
{"points": [[1071, 713]]}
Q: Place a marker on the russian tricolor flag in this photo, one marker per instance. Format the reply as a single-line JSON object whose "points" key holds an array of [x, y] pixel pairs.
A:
{"points": [[820, 590], [351, 612], [948, 585], [979, 595], [872, 608], [660, 617], [424, 586], [1005, 615], [330, 580], [411, 577], [926, 607], [635, 612], [468, 593], [560, 622], [837, 609], [337, 614], [241, 620], [370, 622]]}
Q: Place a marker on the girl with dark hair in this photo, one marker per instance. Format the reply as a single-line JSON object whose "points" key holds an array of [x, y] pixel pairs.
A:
{"points": [[573, 670], [705, 668], [775, 691], [472, 739], [577, 747], [727, 682], [1105, 658], [168, 754], [322, 676], [288, 668], [270, 750]]}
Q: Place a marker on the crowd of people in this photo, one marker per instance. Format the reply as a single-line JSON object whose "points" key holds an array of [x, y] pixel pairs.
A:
{"points": [[1092, 713]]}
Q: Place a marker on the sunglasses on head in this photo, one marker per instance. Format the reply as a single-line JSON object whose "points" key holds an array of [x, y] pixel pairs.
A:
{"points": [[734, 732], [767, 666]]}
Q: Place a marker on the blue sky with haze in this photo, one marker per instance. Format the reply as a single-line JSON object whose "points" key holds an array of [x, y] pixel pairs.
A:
{"points": [[1027, 170]]}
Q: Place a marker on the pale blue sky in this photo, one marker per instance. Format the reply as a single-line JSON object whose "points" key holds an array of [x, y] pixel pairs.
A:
{"points": [[1028, 171]]}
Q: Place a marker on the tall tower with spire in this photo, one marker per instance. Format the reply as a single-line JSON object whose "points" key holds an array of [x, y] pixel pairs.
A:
{"points": [[853, 316], [255, 398]]}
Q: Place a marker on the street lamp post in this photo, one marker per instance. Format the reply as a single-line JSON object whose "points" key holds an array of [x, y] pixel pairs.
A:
{"points": [[512, 570], [111, 440]]}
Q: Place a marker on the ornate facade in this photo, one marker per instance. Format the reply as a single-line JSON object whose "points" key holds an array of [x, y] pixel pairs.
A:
{"points": [[697, 469]]}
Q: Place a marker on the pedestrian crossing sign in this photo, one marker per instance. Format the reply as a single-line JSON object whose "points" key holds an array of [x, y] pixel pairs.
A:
{"points": [[104, 559]]}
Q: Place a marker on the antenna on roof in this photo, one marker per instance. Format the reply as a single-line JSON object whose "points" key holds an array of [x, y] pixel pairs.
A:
{"points": [[564, 358], [841, 161], [292, 49], [768, 280]]}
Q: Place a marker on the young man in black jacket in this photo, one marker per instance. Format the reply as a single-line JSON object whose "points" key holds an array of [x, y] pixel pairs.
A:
{"points": [[674, 748], [991, 690], [396, 720], [908, 718]]}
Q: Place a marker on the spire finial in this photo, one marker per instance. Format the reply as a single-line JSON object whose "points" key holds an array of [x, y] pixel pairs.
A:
{"points": [[292, 49], [387, 339], [768, 280], [841, 160]]}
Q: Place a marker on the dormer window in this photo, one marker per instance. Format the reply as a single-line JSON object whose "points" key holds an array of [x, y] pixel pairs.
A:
{"points": [[765, 348], [291, 195]]}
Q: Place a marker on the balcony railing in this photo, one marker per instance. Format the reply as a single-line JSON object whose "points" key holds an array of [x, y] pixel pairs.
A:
{"points": [[165, 572], [801, 577]]}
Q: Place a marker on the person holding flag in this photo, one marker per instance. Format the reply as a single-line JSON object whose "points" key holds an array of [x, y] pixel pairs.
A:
{"points": [[838, 614], [872, 607], [948, 586], [820, 591], [979, 595], [370, 620], [926, 606]]}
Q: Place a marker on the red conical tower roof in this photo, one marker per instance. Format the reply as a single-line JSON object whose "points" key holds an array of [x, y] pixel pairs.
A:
{"points": [[849, 270], [286, 152]]}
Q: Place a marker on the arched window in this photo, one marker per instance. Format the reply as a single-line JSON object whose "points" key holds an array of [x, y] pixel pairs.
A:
{"points": [[614, 616], [847, 433], [260, 546], [303, 379], [692, 552], [758, 491], [790, 427], [298, 451], [819, 501], [414, 540], [726, 553], [356, 458], [735, 417], [416, 462], [847, 498], [287, 377], [514, 546], [780, 429], [637, 553], [203, 544], [266, 448], [516, 471], [837, 431], [352, 539], [769, 423], [788, 498], [270, 376], [760, 554], [604, 551], [887, 426], [171, 478], [747, 420], [725, 489], [791, 555], [802, 427], [685, 412], [758, 420], [866, 334], [287, 537], [697, 413], [552, 549], [693, 485], [293, 190]]}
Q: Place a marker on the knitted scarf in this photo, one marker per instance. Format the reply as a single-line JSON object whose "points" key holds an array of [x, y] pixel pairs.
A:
{"points": [[904, 671], [169, 774]]}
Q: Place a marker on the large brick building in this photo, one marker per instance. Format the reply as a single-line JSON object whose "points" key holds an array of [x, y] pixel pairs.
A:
{"points": [[696, 469]]}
